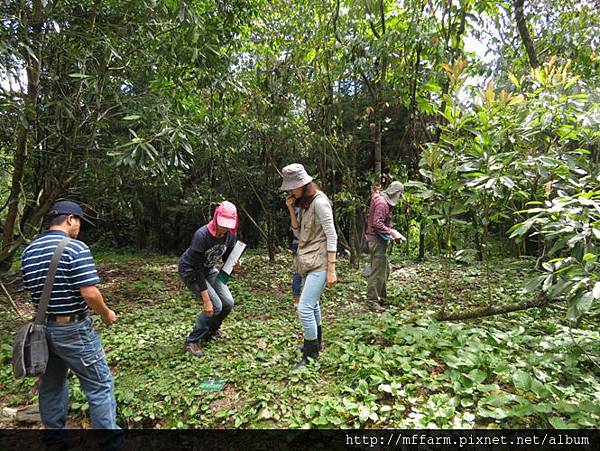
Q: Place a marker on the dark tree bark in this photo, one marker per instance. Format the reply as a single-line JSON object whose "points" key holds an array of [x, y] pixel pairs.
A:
{"points": [[30, 33], [422, 239], [524, 33]]}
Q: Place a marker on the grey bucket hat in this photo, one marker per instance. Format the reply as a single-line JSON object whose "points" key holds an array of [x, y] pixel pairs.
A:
{"points": [[294, 176], [393, 193]]}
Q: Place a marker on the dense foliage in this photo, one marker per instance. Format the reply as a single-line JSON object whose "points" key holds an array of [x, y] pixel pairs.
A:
{"points": [[398, 369], [151, 112]]}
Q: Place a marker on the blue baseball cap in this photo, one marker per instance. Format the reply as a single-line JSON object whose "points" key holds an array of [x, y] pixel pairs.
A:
{"points": [[67, 207]]}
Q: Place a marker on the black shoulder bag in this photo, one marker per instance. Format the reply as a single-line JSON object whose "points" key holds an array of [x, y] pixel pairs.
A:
{"points": [[30, 350]]}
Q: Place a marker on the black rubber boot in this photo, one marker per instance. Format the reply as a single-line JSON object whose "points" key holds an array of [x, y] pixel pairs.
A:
{"points": [[310, 351], [319, 339]]}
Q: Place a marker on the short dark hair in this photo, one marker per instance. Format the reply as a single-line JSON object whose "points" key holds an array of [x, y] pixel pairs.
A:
{"points": [[57, 220]]}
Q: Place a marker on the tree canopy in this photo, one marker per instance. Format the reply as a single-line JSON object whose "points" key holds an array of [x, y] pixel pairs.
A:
{"points": [[149, 113]]}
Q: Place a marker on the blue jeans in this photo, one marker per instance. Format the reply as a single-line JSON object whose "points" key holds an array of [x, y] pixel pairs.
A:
{"points": [[222, 302], [296, 284], [76, 346], [308, 307], [296, 278]]}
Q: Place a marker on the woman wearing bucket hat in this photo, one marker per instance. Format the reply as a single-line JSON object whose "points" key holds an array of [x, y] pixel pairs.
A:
{"points": [[317, 247], [197, 269], [379, 235]]}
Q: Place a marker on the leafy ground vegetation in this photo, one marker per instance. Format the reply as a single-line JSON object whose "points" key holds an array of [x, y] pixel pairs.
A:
{"points": [[397, 368]]}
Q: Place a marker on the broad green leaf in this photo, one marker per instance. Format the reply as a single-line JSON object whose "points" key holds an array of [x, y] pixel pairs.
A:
{"points": [[534, 283], [522, 380], [579, 305], [497, 400], [558, 423], [363, 414], [477, 375], [589, 256]]}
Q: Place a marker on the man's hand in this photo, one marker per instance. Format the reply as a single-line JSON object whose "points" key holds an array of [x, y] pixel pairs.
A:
{"points": [[94, 299], [237, 266], [109, 317]]}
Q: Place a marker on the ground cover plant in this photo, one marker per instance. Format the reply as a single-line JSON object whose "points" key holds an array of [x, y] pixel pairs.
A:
{"points": [[399, 368]]}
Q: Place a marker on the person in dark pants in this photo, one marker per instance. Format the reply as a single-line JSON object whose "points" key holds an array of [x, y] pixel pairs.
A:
{"points": [[379, 236], [72, 341], [197, 269]]}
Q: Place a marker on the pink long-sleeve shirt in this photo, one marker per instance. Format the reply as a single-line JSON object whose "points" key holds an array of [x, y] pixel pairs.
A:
{"points": [[380, 217]]}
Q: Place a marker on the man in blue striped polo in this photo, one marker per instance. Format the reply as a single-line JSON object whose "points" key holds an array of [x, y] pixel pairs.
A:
{"points": [[72, 341]]}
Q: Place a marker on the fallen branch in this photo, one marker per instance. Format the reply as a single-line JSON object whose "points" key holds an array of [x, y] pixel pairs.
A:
{"points": [[492, 310], [10, 299]]}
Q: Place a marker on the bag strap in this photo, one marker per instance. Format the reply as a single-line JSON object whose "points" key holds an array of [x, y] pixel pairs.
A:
{"points": [[49, 283]]}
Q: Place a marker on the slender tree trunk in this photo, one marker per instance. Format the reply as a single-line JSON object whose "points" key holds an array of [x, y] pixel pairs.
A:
{"points": [[354, 241], [524, 33], [421, 240], [377, 166], [32, 40], [407, 234]]}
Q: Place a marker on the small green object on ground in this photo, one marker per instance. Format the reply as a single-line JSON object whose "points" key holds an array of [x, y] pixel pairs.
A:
{"points": [[212, 385]]}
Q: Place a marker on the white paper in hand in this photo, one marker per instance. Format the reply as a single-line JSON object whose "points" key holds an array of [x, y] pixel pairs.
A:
{"points": [[234, 256]]}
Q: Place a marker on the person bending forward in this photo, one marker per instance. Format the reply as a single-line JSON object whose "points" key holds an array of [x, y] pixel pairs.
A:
{"points": [[197, 269]]}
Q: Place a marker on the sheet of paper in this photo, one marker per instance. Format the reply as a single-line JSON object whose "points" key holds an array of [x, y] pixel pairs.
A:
{"points": [[233, 257]]}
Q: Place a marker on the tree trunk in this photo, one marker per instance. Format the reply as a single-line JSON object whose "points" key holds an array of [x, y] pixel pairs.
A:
{"points": [[421, 240], [524, 33], [377, 166], [354, 241], [407, 235], [28, 118]]}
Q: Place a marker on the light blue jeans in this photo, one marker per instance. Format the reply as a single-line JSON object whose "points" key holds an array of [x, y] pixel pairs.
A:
{"points": [[77, 347], [309, 309]]}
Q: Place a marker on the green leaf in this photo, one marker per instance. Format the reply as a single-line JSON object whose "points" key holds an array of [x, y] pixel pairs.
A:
{"points": [[477, 375], [558, 423], [534, 283], [385, 388], [522, 380], [579, 305], [497, 400], [78, 75], [507, 182], [542, 407], [363, 414], [539, 389], [589, 256], [572, 81], [310, 410]]}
